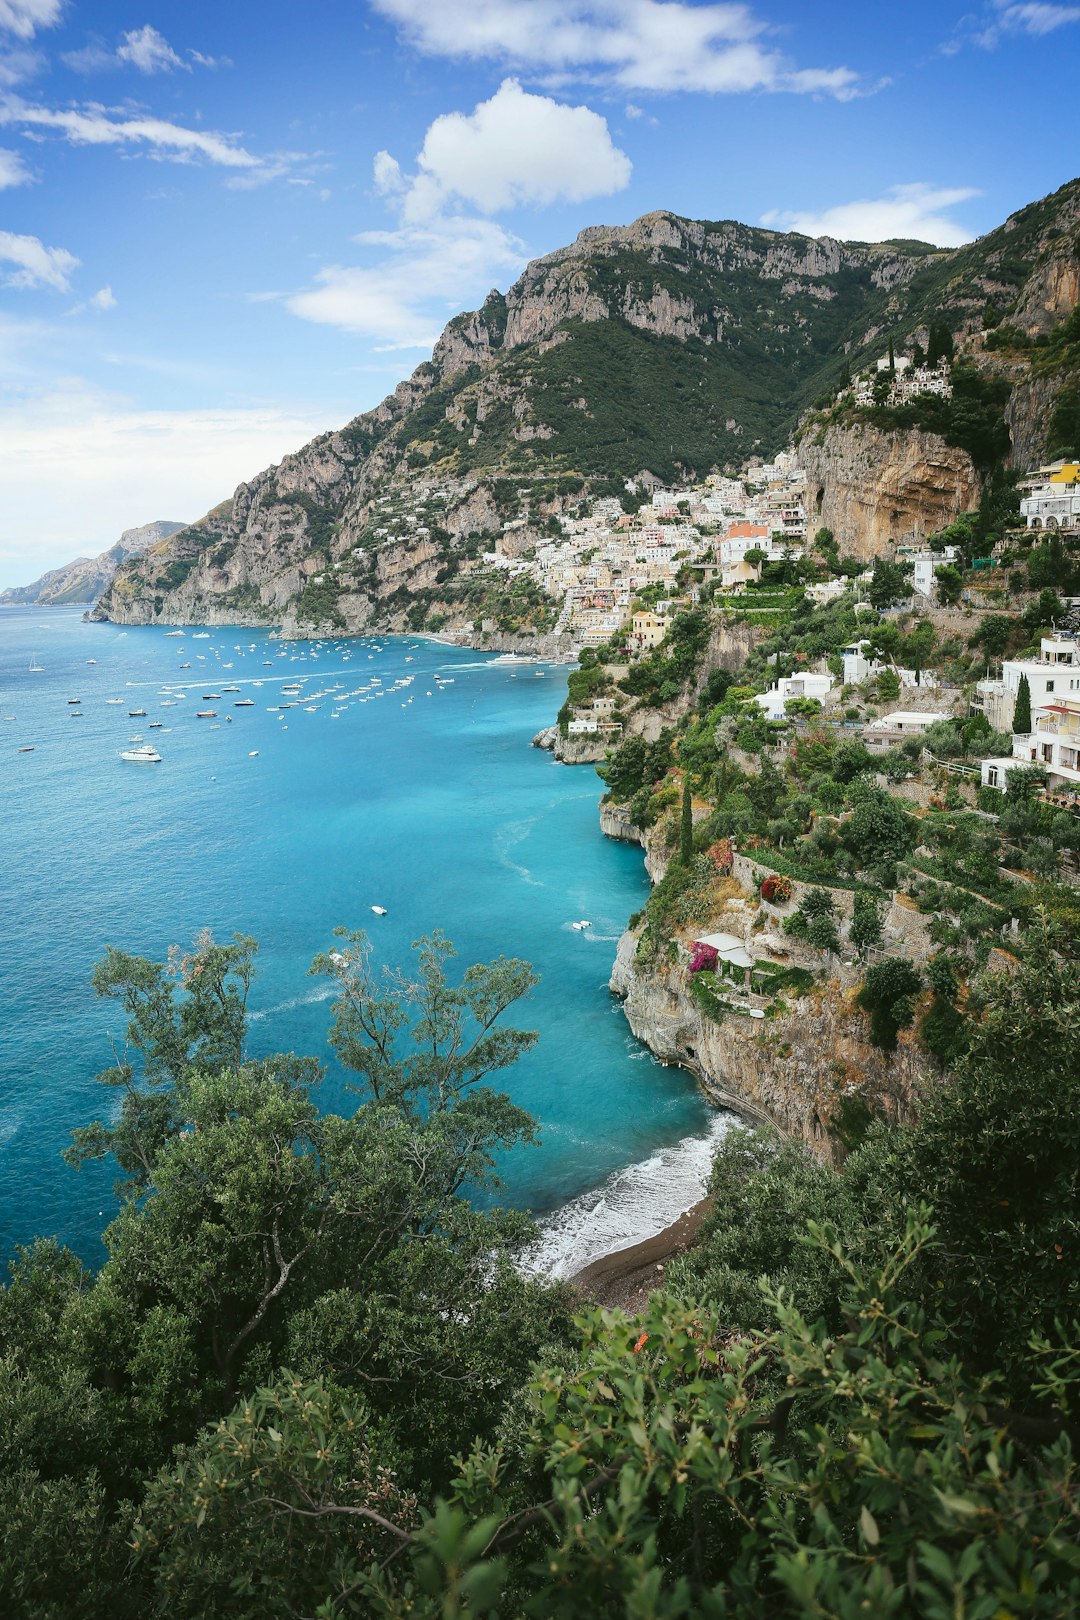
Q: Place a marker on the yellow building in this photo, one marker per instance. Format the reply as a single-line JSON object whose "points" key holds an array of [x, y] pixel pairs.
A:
{"points": [[646, 631]]}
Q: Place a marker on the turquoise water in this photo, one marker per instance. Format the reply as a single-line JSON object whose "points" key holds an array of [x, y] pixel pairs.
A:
{"points": [[427, 800]]}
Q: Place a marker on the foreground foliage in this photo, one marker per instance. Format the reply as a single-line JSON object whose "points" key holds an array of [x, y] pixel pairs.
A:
{"points": [[309, 1379]]}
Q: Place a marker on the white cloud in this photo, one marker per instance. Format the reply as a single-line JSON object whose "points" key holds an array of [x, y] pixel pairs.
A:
{"points": [[121, 466], [1005, 17], [35, 265], [389, 179], [13, 171], [141, 48], [23, 18], [911, 211], [517, 149], [103, 299], [1037, 19], [19, 64], [657, 45], [93, 126], [419, 280], [144, 48], [513, 149]]}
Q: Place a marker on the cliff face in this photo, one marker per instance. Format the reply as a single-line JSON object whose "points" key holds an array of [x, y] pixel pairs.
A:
{"points": [[84, 579], [872, 488]]}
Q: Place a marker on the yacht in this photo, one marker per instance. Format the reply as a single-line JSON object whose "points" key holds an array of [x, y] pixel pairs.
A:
{"points": [[135, 714], [147, 754]]}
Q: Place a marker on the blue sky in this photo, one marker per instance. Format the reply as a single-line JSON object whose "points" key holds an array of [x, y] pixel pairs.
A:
{"points": [[223, 229]]}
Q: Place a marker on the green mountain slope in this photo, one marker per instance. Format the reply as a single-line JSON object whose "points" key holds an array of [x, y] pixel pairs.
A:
{"points": [[668, 347]]}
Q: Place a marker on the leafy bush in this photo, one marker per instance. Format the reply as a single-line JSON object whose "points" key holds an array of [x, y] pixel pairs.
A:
{"points": [[888, 993], [776, 888]]}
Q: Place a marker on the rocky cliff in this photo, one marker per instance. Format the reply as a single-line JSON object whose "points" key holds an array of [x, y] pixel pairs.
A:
{"points": [[663, 348], [84, 579], [811, 1073], [873, 488]]}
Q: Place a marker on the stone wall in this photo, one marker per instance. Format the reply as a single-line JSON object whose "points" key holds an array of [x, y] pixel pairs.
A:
{"points": [[751, 874]]}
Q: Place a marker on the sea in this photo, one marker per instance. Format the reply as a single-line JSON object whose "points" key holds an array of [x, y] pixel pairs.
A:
{"points": [[399, 775]]}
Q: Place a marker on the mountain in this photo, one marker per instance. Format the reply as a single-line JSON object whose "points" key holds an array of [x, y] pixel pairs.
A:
{"points": [[84, 579], [663, 348]]}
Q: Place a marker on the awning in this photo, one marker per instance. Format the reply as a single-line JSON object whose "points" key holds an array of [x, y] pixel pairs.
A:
{"points": [[729, 948]]}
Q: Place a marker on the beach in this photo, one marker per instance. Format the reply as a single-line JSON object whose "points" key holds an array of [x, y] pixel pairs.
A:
{"points": [[626, 1278]]}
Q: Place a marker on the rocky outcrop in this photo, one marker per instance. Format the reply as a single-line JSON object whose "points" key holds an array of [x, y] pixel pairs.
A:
{"points": [[811, 1073], [87, 577], [615, 823], [875, 489], [588, 749]]}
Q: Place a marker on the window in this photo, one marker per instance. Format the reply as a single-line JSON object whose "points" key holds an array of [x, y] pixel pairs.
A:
{"points": [[1048, 753], [992, 776], [1049, 686]]}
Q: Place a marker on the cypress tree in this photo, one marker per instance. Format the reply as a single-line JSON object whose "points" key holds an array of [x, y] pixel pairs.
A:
{"points": [[686, 825], [1022, 711]]}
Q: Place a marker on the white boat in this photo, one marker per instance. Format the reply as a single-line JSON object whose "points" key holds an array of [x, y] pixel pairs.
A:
{"points": [[380, 911], [578, 926], [254, 754], [35, 667], [146, 755], [173, 633], [114, 700], [201, 635]]}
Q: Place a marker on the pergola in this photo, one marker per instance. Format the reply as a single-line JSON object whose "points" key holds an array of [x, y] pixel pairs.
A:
{"points": [[731, 951]]}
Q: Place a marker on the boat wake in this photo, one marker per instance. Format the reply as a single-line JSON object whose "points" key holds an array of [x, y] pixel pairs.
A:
{"points": [[632, 1204], [507, 839], [309, 1000]]}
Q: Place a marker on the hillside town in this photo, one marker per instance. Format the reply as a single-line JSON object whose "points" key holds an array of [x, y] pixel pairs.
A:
{"points": [[620, 570]]}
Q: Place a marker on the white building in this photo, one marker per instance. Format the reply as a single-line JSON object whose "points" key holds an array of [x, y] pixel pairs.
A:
{"points": [[898, 726], [925, 565], [793, 686], [826, 591], [1054, 742], [857, 666], [1055, 673], [1054, 503], [995, 772]]}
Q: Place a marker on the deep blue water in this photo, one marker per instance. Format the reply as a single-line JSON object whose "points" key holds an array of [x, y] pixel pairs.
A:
{"points": [[435, 808]]}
